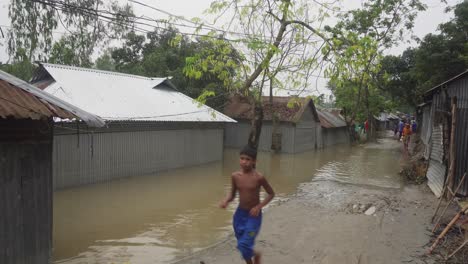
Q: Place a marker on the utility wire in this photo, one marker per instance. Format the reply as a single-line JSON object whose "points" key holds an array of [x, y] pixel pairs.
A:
{"points": [[99, 13]]}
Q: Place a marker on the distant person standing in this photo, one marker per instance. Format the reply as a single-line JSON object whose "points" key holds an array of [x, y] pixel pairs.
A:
{"points": [[406, 135], [401, 125], [366, 127]]}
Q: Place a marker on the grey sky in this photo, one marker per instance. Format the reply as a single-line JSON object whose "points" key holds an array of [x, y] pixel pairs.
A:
{"points": [[426, 22]]}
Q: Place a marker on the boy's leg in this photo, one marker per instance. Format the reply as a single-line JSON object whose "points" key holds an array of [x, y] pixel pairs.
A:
{"points": [[246, 242], [257, 257]]}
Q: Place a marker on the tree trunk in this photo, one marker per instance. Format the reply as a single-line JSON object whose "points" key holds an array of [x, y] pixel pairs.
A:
{"points": [[256, 125], [371, 132], [275, 138]]}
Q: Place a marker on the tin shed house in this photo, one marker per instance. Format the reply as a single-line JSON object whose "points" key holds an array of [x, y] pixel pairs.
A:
{"points": [[298, 126], [26, 140], [436, 132], [334, 129], [150, 126]]}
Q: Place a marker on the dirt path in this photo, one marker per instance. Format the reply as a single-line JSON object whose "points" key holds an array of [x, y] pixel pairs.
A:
{"points": [[330, 222]]}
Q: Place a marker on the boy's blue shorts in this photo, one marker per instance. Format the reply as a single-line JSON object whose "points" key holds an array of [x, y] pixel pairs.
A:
{"points": [[246, 228]]}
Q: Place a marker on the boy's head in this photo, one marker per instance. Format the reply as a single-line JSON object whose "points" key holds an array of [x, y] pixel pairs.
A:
{"points": [[249, 151], [248, 158]]}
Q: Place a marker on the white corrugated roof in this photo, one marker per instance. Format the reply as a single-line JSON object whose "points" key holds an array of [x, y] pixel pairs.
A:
{"points": [[118, 96]]}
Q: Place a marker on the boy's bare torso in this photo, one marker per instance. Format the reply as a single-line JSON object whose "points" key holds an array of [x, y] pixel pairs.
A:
{"points": [[248, 185]]}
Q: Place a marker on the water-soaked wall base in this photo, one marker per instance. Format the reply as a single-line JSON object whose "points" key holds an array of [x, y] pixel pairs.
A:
{"points": [[335, 136], [97, 157], [236, 136], [25, 192], [294, 139]]}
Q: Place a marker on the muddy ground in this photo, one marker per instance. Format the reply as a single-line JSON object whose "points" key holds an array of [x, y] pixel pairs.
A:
{"points": [[330, 226], [331, 222]]}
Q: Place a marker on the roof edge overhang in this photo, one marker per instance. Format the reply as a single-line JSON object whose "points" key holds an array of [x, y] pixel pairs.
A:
{"points": [[88, 118], [439, 86]]}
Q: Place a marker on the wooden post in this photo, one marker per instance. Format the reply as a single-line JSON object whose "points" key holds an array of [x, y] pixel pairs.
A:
{"points": [[452, 157]]}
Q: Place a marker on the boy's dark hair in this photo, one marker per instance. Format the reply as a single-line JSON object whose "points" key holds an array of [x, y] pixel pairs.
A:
{"points": [[249, 151]]}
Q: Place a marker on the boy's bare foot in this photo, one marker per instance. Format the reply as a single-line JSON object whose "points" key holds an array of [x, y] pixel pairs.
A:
{"points": [[257, 257]]}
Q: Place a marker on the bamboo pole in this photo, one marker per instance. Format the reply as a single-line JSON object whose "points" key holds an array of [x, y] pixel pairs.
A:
{"points": [[448, 204], [447, 228]]}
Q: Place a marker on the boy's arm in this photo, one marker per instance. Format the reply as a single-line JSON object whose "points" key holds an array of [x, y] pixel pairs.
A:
{"points": [[271, 194], [231, 195]]}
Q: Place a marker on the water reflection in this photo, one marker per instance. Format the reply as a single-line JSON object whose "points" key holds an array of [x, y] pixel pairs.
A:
{"points": [[155, 218]]}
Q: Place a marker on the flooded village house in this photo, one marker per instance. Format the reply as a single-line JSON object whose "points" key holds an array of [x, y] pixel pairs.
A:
{"points": [[386, 121], [26, 139], [300, 127], [150, 126], [334, 129], [435, 131]]}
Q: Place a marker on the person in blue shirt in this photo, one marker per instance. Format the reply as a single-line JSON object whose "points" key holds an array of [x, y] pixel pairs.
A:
{"points": [[401, 125]]}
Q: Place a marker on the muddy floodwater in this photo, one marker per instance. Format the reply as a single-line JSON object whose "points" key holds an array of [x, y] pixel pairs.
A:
{"points": [[162, 217]]}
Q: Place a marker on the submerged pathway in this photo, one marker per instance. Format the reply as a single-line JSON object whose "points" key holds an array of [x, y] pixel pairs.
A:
{"points": [[339, 205]]}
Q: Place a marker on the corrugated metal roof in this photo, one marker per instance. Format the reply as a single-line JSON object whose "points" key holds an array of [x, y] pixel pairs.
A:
{"points": [[330, 119], [239, 107], [118, 96], [386, 116], [19, 99], [430, 91]]}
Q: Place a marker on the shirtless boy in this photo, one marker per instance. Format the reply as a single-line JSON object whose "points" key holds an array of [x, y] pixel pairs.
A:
{"points": [[248, 216]]}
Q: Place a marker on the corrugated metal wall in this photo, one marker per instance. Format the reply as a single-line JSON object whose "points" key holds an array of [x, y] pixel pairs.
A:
{"points": [[305, 137], [437, 169], [334, 136], [98, 157], [26, 201], [426, 130], [319, 132], [461, 139], [433, 138], [459, 88], [236, 136]]}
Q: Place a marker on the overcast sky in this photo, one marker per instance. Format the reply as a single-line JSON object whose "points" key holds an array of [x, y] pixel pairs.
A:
{"points": [[426, 22]]}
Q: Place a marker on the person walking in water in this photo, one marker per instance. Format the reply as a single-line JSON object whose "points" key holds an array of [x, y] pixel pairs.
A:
{"points": [[248, 217]]}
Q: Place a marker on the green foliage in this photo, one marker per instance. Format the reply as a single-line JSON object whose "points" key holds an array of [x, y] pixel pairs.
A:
{"points": [[22, 69], [218, 59], [105, 62], [438, 58], [355, 51], [167, 53], [64, 52], [274, 46], [35, 22]]}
